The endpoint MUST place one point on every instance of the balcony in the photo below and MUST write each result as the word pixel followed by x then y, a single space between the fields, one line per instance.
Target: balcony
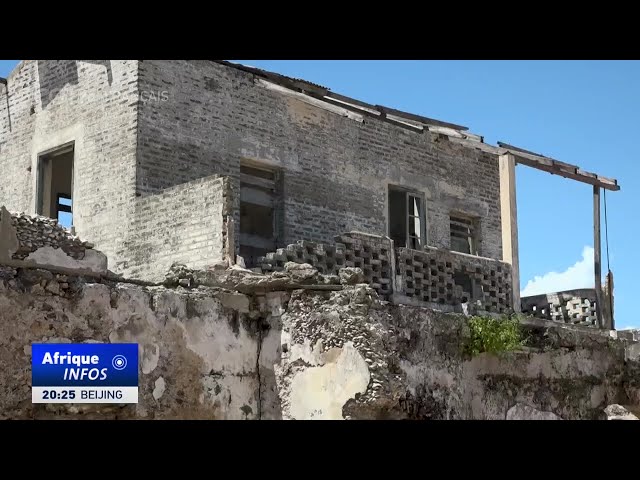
pixel 435 278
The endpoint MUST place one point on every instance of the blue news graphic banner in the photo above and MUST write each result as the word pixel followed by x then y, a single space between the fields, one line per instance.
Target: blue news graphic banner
pixel 84 372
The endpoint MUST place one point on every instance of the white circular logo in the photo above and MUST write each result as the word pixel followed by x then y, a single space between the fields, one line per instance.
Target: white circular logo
pixel 119 362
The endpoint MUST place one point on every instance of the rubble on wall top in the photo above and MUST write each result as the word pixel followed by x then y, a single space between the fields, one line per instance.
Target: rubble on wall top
pixel 21 219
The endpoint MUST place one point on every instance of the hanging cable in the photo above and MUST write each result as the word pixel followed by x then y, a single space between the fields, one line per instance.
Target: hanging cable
pixel 606 228
pixel 609 274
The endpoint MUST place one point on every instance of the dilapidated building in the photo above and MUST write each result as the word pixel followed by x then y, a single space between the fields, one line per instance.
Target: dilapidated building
pixel 203 162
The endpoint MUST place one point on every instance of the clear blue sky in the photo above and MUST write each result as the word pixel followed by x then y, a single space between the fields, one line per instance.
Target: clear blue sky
pixel 581 112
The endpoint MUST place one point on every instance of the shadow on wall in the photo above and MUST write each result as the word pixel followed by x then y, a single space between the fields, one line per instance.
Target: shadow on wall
pixel 55 74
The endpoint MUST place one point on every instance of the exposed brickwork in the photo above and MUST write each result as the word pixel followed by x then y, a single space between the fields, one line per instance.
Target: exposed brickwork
pixel 182 224
pixel 141 127
pixel 93 103
pixel 572 306
pixel 336 170
pixel 16 130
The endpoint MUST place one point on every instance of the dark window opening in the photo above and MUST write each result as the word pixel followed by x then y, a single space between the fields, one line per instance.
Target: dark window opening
pixel 260 212
pixel 55 185
pixel 463 234
pixel 407 218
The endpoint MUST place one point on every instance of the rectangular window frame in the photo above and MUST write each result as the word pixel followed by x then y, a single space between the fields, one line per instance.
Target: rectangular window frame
pixel 422 217
pixel 462 221
pixel 43 158
pixel 265 183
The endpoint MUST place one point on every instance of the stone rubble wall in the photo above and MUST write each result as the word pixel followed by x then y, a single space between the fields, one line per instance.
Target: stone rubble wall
pixel 230 343
pixel 199 349
pixel 577 307
pixel 32 241
pixel 406 362
pixel 34 232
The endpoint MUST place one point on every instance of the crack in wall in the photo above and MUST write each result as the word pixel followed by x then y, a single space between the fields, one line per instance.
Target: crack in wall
pixel 259 400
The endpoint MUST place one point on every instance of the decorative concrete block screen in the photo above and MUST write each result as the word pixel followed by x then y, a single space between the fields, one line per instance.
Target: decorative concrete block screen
pixel 571 306
pixel 433 276
pixel 444 277
pixel 373 254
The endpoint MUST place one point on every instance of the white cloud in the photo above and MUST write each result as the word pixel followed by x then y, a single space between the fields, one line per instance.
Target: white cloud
pixel 580 275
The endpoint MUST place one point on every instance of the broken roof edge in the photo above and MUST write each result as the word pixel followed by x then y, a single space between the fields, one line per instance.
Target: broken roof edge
pixel 324 93
pixel 456 133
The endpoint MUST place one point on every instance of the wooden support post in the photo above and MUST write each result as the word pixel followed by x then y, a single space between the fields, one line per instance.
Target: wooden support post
pixel 597 257
pixel 509 221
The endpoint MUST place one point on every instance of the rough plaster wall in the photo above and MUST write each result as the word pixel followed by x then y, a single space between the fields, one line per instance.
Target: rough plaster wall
pixel 208 352
pixel 181 224
pixel 572 375
pixel 336 169
pixel 91 102
pixel 418 368
pixel 320 392
pixel 198 355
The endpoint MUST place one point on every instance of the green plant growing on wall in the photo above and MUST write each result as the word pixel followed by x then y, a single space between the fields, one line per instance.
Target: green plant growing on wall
pixel 494 335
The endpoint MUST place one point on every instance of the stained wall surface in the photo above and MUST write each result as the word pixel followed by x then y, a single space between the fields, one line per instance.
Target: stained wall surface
pixel 95 105
pixel 336 168
pixel 92 104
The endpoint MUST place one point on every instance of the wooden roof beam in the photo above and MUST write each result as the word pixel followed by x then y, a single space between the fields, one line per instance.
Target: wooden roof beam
pixel 556 167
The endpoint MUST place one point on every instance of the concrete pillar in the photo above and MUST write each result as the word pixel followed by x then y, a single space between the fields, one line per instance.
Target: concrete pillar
pixel 509 221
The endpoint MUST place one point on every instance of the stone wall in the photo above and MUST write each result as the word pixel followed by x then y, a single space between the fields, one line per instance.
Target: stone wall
pixel 577 307
pixel 142 127
pixel 347 356
pixel 336 166
pixel 199 350
pixel 93 103
pixel 182 224
pixel 39 241
pixel 236 344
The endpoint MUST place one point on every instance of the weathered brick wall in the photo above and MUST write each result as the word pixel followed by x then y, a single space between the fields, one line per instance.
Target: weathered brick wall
pixel 181 224
pixel 91 102
pixel 572 306
pixel 141 127
pixel 336 168
pixel 16 130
